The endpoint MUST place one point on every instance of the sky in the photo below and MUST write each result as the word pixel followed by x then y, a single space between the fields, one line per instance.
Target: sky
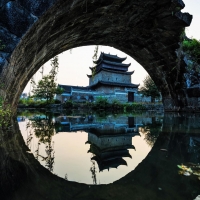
pixel 74 65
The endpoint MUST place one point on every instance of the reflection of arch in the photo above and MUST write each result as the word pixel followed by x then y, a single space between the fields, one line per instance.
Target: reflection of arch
pixel 146 35
pixel 21 167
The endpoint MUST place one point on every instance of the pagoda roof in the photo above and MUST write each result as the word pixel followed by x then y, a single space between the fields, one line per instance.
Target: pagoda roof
pixel 114 163
pixel 110 155
pixel 117 132
pixel 111 71
pixel 96 150
pixel 109 57
pixel 128 85
pixel 111 65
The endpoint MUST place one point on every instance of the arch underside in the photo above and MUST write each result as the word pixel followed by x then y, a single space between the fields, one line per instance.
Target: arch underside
pixel 147 31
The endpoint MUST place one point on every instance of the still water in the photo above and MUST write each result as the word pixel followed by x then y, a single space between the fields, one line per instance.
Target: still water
pixel 88 148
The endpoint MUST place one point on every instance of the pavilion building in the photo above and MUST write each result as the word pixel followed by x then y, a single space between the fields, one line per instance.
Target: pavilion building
pixel 109 78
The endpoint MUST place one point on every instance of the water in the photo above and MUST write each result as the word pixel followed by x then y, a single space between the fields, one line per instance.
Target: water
pixel 89 148
pixel 144 156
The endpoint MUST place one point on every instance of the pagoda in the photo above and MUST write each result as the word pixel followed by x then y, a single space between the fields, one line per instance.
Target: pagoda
pixel 110 75
pixel 109 78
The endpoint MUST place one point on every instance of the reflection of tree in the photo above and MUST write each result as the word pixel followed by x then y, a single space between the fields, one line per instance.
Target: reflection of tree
pixel 49 159
pixel 37 151
pixel 29 139
pixel 93 171
pixel 151 132
pixel 43 127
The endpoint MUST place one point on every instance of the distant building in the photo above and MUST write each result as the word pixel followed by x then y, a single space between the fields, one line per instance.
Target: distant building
pixel 109 78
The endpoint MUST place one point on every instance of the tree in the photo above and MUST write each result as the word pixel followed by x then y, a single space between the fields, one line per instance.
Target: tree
pixel 149 89
pixel 94 57
pixel 192 47
pixel 44 129
pixel 47 87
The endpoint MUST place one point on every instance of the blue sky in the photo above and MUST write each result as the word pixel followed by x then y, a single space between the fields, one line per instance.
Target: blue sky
pixel 74 65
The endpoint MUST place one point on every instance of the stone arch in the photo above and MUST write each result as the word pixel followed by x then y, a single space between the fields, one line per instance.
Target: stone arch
pixel 147 31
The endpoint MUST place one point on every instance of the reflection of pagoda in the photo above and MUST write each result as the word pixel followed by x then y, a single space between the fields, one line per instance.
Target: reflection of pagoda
pixel 110 148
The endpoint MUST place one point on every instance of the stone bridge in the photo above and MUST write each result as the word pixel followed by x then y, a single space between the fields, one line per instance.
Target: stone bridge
pixel 33 31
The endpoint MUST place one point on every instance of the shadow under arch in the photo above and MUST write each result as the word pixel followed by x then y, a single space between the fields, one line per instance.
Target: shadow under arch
pixel 149 32
pixel 156 177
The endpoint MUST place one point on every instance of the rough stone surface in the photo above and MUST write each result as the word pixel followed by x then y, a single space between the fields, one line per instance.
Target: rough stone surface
pixel 110 77
pixel 36 7
pixel 15 18
pixel 148 31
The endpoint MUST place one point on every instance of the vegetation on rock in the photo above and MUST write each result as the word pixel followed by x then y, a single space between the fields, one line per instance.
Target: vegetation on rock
pixel 192 47
pixel 5 113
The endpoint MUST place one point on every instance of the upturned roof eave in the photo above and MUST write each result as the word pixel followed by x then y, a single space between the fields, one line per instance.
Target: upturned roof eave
pixel 115 84
pixel 104 55
pixel 112 71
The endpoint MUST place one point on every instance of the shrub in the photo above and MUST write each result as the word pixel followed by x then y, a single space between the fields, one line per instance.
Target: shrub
pixel 116 104
pixel 68 104
pixel 101 102
pixel 133 107
pixel 192 47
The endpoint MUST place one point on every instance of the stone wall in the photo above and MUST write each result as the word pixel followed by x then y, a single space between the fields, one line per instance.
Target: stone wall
pixel 111 93
pixel 110 77
pixel 109 142
pixel 108 89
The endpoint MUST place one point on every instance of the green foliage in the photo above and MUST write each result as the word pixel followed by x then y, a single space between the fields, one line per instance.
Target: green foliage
pixel 35 103
pixel 116 104
pixel 5 108
pixel 68 104
pixel 44 129
pixel 5 113
pixel 129 107
pixel 149 89
pixel 192 47
pixel 101 102
pixel 47 87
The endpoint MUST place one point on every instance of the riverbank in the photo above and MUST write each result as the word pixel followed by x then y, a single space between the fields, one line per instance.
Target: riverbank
pixel 95 106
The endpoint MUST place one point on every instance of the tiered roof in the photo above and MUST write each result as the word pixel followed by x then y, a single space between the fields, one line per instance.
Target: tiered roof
pixel 127 85
pixel 110 63
pixel 109 154
pixel 109 57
